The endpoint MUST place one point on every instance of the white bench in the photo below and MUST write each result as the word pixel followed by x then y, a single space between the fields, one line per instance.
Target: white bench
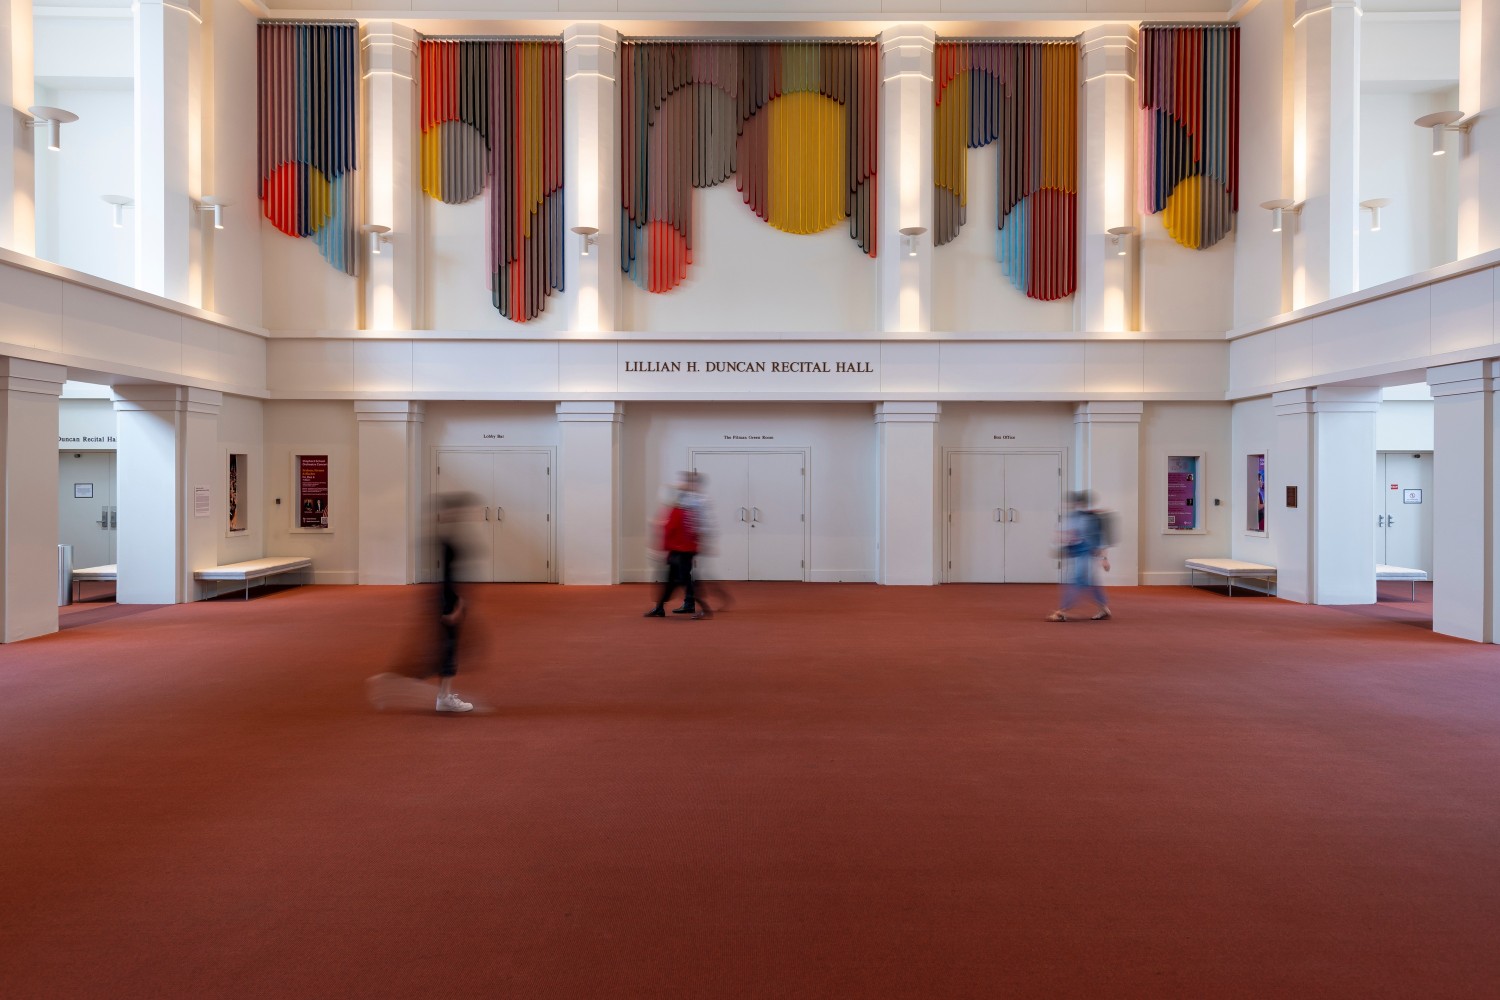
pixel 1232 570
pixel 254 569
pixel 1413 576
pixel 92 573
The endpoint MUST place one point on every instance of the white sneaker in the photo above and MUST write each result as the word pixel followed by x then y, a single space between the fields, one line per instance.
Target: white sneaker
pixel 453 703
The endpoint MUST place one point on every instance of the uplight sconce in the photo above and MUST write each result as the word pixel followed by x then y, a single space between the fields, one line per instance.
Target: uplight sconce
pixel 910 239
pixel 1442 122
pixel 54 119
pixel 1117 239
pixel 589 238
pixel 1278 208
pixel 1375 205
pixel 119 203
pixel 215 207
pixel 379 236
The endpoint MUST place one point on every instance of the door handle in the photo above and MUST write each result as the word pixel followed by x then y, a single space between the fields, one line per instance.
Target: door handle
pixel 754 513
pixel 997 514
pixel 744 514
pixel 486 513
pixel 103 521
pixel 114 518
pixel 499 513
pixel 1012 514
pixel 1379 520
pixel 1390 519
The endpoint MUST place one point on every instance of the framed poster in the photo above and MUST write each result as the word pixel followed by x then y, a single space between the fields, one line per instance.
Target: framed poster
pixel 1255 494
pixel 238 492
pixel 1184 474
pixel 83 491
pixel 311 509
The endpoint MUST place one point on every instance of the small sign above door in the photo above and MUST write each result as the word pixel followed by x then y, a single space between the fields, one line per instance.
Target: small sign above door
pixel 1411 496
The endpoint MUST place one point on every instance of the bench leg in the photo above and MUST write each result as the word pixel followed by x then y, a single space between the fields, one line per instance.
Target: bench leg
pixel 1230 580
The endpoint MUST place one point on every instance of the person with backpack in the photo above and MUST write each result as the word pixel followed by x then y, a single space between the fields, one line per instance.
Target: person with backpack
pixel 1086 536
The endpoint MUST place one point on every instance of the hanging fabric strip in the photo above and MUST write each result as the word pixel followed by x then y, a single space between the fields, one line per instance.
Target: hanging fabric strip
pixel 1189 134
pixel 794 122
pixel 1023 97
pixel 491 117
pixel 307 78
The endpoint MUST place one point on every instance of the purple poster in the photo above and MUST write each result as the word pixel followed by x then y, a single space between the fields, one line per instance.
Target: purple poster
pixel 312 491
pixel 1182 492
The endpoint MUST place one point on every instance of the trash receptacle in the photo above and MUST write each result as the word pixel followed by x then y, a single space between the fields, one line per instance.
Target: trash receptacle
pixel 64 575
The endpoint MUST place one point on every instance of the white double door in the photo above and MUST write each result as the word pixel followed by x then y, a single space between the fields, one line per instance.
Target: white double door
pixel 1403 509
pixel 86 516
pixel 507 538
pixel 1004 512
pixel 760 514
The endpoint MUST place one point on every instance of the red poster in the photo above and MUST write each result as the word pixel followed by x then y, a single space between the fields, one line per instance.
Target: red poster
pixel 312 491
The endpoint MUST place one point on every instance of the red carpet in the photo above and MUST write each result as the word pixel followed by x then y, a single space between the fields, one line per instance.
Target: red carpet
pixel 829 791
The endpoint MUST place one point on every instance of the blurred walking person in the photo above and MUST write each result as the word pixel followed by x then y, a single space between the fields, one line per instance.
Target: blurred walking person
pixel 1085 537
pixel 686 527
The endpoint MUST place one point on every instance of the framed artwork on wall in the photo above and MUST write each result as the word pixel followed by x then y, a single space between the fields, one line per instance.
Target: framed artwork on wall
pixel 310 509
pixel 1184 493
pixel 238 493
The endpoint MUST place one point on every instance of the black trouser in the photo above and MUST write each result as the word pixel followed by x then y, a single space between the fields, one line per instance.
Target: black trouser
pixel 679 573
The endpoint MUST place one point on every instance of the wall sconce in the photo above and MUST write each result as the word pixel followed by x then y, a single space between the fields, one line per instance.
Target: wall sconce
pixel 379 235
pixel 590 237
pixel 215 207
pixel 54 119
pixel 909 239
pixel 1441 122
pixel 1279 207
pixel 120 203
pixel 1375 205
pixel 1117 239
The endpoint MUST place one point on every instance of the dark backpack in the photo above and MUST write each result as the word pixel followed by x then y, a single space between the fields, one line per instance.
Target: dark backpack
pixel 1104 528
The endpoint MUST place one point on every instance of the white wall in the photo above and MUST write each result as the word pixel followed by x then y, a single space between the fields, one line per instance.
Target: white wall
pixel 747 276
pixel 1185 429
pixel 1261 256
pixel 1404 425
pixel 1183 289
pixel 302 291
pixel 233 254
pixel 74 227
pixel 313 428
pixel 657 439
pixel 970 292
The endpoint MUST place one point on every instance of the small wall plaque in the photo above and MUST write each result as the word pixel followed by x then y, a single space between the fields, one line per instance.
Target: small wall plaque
pixel 1411 496
pixel 83 491
pixel 1291 496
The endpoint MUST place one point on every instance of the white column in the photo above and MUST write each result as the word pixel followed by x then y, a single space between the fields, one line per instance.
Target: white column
pixel 1479 93
pixel 393 179
pixel 589 491
pixel 1106 280
pixel 168 451
pixel 168 149
pixel 907 478
pixel 28 497
pixel 17 147
pixel 390 490
pixel 1325 112
pixel 591 177
pixel 1463 495
pixel 1107 450
pixel 1325 550
pixel 906 177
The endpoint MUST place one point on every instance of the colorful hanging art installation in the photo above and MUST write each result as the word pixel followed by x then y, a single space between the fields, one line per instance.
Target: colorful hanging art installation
pixel 492 116
pixel 794 122
pixel 1190 129
pixel 1022 96
pixel 308 79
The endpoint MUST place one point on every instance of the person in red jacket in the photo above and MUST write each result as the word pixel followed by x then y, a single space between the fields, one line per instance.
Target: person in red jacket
pixel 682 531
